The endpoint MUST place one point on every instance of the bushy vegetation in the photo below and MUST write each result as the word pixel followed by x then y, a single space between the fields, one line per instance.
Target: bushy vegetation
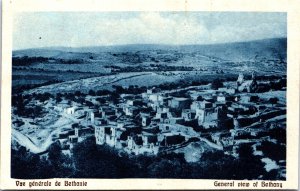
pixel 216 83
pixel 20 103
pixel 152 68
pixel 25 61
pixel 22 88
pixel 273 151
pixel 140 57
pixel 93 161
pixel 55 164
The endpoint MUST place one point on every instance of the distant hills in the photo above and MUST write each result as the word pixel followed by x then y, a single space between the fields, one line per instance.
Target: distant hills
pixel 275 48
pixel 44 66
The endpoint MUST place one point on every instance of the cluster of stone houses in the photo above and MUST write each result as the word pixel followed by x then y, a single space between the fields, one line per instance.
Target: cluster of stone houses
pixel 155 121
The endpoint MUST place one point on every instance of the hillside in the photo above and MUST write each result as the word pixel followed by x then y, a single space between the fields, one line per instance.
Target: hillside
pixel 62 64
pixel 271 48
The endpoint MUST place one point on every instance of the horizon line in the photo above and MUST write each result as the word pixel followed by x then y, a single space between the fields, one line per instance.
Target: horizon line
pixel 139 44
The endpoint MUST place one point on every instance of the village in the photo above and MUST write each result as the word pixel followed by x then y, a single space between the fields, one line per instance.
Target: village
pixel 159 121
pixel 238 118
pixel 145 94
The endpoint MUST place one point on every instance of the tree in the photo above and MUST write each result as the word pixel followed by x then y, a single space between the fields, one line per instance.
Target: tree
pixel 24 164
pixel 74 125
pixel 37 111
pixel 200 98
pixel 273 151
pixel 216 83
pixel 43 97
pixel 18 101
pixel 273 100
pixel 80 100
pixel 55 154
pixel 114 97
pixel 94 162
pixel 89 104
pixel 92 93
pixel 165 169
pixel 58 98
pixel 78 93
pixel 70 96
pixel 101 100
pixel 279 134
pixel 248 166
pixel 118 89
pixel 103 92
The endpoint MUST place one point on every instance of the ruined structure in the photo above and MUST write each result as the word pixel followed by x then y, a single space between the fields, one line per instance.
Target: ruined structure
pixel 249 86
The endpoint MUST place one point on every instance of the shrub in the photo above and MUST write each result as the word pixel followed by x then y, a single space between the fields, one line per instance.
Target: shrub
pixel 216 83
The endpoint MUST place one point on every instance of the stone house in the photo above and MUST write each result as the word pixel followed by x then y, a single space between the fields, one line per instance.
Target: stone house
pixel 69 110
pixel 142 144
pixel 131 110
pixel 134 102
pixel 188 114
pixel 153 97
pixel 107 112
pixel 177 129
pixel 246 85
pixel 201 105
pixel 170 139
pixel 207 117
pixel 83 132
pixel 211 117
pixel 179 103
pixel 222 139
pixel 173 120
pixel 160 115
pixel 73 139
pixel 248 98
pixel 146 120
pixel 225 98
pixel 109 135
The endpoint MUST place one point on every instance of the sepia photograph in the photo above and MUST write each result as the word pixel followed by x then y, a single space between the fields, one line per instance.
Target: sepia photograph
pixel 149 95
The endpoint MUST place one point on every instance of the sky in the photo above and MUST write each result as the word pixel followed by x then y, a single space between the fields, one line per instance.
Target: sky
pixel 78 29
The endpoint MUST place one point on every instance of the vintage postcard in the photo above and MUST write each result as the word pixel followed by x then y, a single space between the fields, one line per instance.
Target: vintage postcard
pixel 150 95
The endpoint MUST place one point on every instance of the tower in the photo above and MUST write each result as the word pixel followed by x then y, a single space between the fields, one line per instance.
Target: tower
pixel 253 76
pixel 240 80
pixel 254 85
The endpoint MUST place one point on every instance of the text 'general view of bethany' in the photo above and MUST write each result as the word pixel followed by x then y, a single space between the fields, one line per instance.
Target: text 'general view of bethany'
pixel 207 111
